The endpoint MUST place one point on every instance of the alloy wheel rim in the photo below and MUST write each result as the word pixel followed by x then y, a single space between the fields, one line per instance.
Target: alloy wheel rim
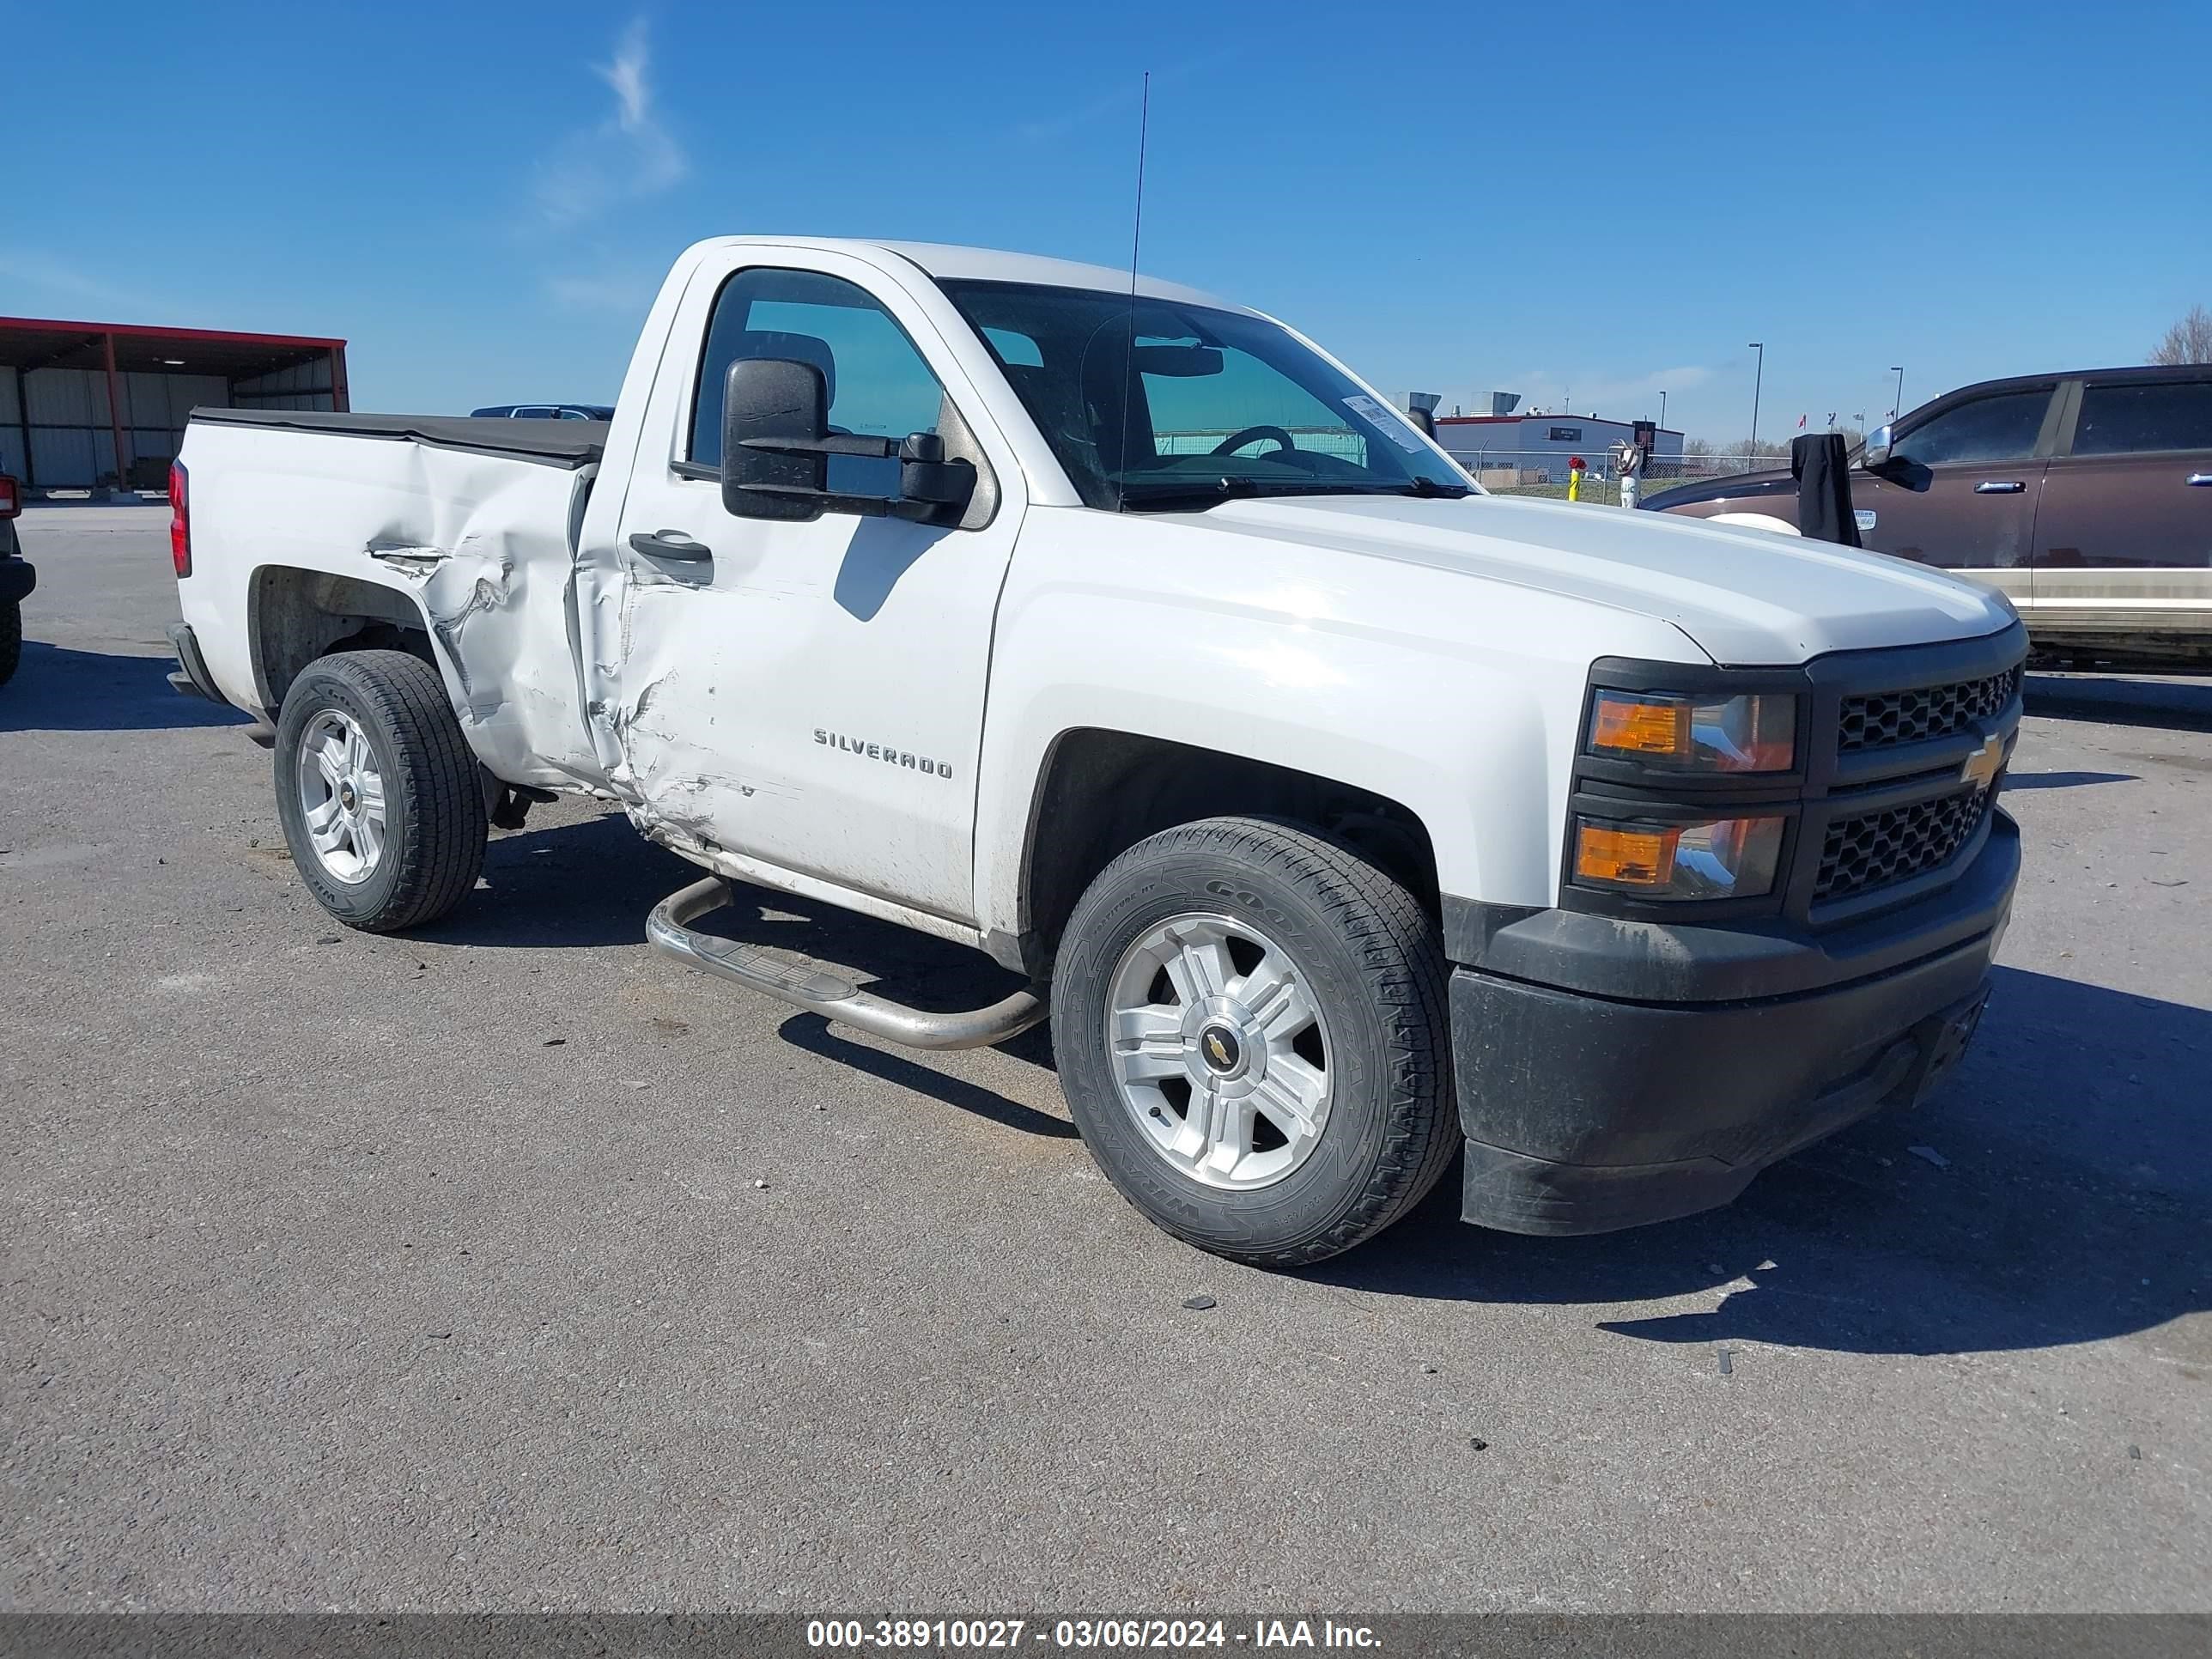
pixel 342 797
pixel 1220 1050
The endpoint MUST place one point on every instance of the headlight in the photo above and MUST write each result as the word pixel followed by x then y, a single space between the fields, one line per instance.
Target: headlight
pixel 1747 733
pixel 1716 859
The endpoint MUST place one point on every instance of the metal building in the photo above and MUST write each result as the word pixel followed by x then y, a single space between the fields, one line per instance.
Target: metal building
pixel 103 405
pixel 1538 448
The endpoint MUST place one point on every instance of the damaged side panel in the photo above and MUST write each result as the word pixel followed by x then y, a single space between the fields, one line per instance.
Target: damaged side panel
pixel 477 547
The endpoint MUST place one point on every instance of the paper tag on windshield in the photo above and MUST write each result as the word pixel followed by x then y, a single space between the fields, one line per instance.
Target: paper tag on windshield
pixel 1393 428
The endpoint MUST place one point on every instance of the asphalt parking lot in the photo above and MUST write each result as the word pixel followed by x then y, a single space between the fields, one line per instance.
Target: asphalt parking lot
pixel 437 1272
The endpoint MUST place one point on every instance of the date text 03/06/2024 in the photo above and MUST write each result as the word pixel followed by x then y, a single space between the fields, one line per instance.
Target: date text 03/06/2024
pixel 1107 1634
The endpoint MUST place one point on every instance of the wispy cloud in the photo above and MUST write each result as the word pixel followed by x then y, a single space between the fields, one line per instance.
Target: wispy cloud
pixel 1122 99
pixel 614 290
pixel 1113 102
pixel 48 275
pixel 630 155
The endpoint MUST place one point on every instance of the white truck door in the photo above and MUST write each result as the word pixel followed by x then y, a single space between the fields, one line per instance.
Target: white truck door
pixel 810 695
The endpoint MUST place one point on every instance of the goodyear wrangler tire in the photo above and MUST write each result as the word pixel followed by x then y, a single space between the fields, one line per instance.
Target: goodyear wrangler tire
pixel 1251 1026
pixel 380 799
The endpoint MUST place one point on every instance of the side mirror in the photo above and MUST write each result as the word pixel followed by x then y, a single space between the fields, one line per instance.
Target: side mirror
pixel 1875 455
pixel 776 445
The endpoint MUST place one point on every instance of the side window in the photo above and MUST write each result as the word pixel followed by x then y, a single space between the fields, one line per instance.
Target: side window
pixel 2003 427
pixel 876 382
pixel 2125 420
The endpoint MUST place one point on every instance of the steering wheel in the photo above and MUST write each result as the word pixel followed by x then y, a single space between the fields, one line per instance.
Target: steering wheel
pixel 1236 441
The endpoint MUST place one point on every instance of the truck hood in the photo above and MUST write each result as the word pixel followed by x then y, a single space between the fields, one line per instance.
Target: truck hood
pixel 1746 597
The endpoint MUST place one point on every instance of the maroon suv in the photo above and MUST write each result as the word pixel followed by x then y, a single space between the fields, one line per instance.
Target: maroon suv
pixel 2087 498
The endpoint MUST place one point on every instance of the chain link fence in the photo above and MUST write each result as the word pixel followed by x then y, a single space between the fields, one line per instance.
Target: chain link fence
pixel 1544 472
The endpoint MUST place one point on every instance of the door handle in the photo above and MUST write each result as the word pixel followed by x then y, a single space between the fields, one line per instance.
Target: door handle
pixel 1999 487
pixel 2201 480
pixel 670 545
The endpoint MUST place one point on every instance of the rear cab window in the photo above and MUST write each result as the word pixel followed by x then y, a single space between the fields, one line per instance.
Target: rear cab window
pixel 2144 418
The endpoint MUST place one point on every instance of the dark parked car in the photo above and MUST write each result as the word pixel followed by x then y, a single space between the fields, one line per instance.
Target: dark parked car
pixel 17 579
pixel 2086 498
pixel 545 412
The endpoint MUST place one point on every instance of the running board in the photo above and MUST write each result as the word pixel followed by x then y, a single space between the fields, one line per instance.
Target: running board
pixel 668 931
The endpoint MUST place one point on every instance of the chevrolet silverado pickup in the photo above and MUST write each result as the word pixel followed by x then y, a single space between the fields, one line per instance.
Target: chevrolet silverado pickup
pixel 1342 818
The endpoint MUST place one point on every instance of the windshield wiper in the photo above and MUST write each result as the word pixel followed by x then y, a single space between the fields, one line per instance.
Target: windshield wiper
pixel 1210 492
pixel 1199 492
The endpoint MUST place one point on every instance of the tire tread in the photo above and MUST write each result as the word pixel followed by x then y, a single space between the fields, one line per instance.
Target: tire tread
pixel 1403 967
pixel 441 847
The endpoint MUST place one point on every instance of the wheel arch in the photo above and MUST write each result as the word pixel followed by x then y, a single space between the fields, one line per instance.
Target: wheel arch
pixel 1120 787
pixel 295 614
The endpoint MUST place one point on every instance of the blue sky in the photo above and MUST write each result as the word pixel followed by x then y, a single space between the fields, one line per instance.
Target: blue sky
pixel 482 197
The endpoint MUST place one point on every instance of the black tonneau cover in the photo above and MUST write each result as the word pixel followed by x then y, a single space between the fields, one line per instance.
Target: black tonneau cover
pixel 568 444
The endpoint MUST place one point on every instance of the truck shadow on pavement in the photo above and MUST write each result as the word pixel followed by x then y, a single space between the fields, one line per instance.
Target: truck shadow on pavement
pixel 2064 779
pixel 60 689
pixel 567 885
pixel 591 883
pixel 2068 1198
pixel 2065 1201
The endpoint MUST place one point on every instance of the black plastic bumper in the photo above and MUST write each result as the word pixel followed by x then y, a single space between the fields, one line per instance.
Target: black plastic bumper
pixel 17 579
pixel 1584 1113
pixel 191 676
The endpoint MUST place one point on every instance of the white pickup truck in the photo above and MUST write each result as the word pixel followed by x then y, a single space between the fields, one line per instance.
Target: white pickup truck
pixel 1338 813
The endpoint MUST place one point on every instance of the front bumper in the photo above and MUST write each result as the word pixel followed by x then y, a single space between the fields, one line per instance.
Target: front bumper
pixel 17 579
pixel 1586 1113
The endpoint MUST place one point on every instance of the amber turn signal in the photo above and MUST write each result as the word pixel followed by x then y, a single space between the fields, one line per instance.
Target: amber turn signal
pixel 1751 732
pixel 1629 725
pixel 1621 856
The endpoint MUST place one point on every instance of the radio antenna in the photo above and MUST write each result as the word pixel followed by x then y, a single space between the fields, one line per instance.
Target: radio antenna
pixel 1129 355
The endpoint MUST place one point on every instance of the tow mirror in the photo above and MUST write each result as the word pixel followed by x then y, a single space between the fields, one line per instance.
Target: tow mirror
pixel 776 445
pixel 1875 455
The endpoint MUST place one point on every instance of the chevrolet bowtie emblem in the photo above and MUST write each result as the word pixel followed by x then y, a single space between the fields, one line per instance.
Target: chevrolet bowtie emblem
pixel 1981 767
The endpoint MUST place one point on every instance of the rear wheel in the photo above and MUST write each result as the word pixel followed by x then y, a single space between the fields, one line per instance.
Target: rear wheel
pixel 380 799
pixel 1250 1024
pixel 11 638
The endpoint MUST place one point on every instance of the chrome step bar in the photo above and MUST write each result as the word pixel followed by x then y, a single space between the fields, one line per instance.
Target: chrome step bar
pixel 668 931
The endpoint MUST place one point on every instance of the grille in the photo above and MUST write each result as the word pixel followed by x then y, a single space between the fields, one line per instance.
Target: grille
pixel 1888 718
pixel 1882 847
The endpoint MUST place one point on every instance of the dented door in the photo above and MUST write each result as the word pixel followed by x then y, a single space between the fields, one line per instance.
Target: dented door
pixel 807 695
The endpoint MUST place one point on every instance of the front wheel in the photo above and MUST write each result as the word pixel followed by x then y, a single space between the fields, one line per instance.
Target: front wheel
pixel 1251 1027
pixel 380 799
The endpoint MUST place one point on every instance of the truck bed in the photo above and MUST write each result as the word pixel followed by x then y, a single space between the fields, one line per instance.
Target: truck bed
pixel 568 444
pixel 309 527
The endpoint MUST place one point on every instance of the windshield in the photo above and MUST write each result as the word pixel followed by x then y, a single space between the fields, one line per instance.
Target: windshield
pixel 1201 406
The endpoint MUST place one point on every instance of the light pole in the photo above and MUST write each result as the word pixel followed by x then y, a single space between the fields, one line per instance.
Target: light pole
pixel 1663 411
pixel 1758 378
pixel 1897 404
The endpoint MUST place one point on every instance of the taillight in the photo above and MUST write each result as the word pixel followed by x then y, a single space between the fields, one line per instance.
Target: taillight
pixel 11 498
pixel 181 522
